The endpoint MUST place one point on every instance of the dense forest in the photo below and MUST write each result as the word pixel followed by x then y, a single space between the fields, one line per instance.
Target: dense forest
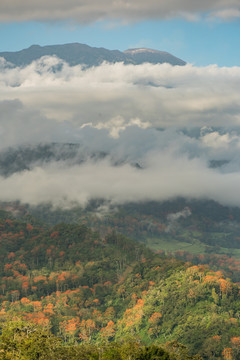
pixel 105 294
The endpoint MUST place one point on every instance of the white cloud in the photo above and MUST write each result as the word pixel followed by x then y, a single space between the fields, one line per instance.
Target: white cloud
pixel 112 95
pixel 220 141
pixel 227 14
pixel 165 177
pixel 84 11
pixel 118 124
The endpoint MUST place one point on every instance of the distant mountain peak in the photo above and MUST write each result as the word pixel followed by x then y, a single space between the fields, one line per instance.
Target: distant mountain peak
pixel 75 54
pixel 143 55
pixel 143 50
pixel 34 46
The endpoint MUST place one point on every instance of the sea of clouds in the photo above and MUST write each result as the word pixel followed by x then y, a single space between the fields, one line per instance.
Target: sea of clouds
pixel 174 122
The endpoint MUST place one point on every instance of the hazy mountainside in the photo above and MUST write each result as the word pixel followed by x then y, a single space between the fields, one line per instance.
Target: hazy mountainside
pixel 88 288
pixel 17 159
pixel 22 158
pixel 184 226
pixel 76 53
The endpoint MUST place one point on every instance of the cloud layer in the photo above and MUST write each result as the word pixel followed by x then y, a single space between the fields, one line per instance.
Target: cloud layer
pixel 85 11
pixel 165 176
pixel 167 131
pixel 40 104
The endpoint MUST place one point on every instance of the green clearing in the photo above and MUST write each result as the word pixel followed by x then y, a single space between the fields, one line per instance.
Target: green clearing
pixel 193 247
pixel 231 252
pixel 156 244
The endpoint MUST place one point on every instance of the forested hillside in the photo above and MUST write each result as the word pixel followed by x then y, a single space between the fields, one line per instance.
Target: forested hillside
pixel 88 288
pixel 196 226
pixel 202 232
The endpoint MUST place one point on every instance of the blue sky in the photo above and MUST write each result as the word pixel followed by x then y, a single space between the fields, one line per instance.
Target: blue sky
pixel 200 38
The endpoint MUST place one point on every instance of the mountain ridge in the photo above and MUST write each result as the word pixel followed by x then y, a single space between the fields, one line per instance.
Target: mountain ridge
pixel 76 53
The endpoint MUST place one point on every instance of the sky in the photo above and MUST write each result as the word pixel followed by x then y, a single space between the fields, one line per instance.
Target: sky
pixel 201 33
pixel 175 122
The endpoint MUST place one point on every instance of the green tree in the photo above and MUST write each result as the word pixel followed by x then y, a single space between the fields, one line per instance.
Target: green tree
pixel 153 352
pixel 23 341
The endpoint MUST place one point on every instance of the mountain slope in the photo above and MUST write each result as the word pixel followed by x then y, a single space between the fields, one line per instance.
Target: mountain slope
pixel 76 53
pixel 86 288
pixel 143 55
pixel 13 160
